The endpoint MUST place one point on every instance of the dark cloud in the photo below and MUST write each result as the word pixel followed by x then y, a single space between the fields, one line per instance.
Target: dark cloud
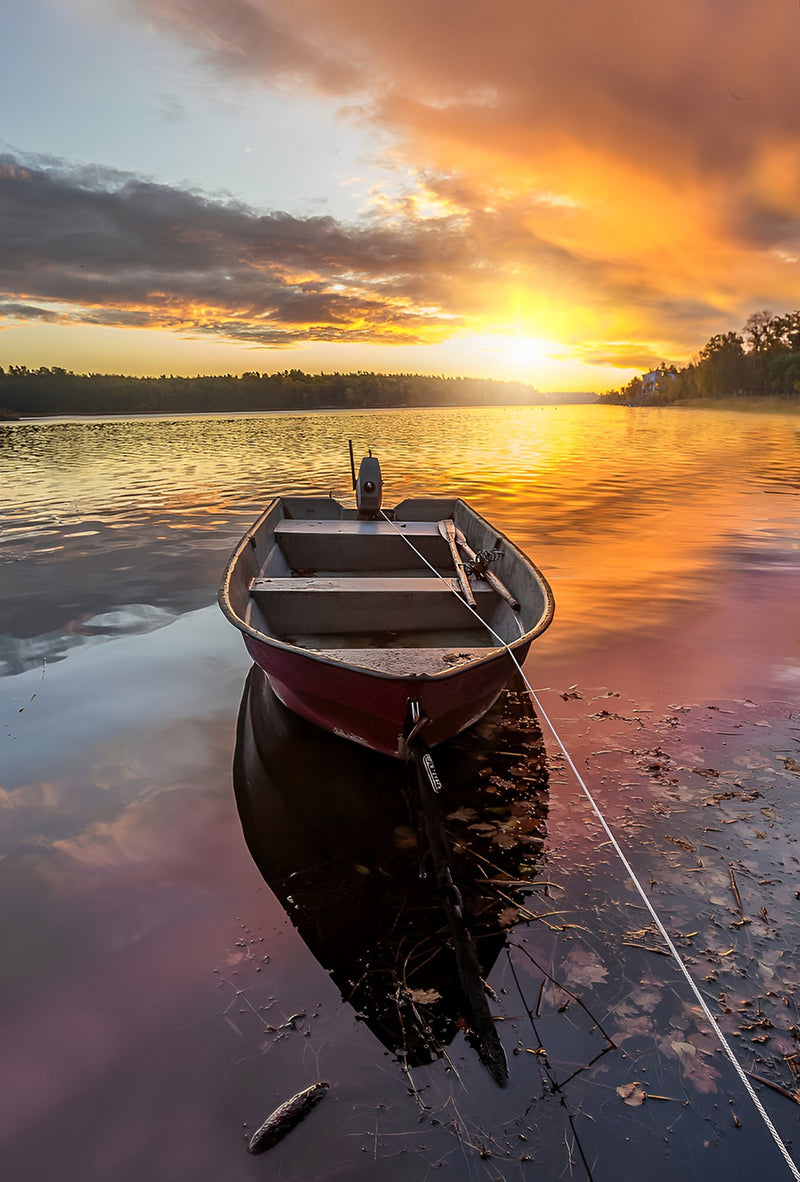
pixel 114 249
pixel 109 248
pixel 12 311
pixel 270 42
pixel 761 223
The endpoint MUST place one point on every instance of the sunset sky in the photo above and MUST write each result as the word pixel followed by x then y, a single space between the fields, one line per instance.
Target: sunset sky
pixel 561 194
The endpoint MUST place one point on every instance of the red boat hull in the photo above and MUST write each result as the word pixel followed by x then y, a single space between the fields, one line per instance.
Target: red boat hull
pixel 351 631
pixel 374 710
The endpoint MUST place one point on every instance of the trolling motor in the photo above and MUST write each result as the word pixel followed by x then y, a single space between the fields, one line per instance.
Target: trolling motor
pixel 368 484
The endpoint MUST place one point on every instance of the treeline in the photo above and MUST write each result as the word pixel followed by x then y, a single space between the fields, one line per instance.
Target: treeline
pixel 55 391
pixel 763 360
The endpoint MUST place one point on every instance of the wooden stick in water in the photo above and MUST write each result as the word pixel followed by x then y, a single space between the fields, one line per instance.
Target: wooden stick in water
pixel 283 1119
pixel 491 579
pixel 448 531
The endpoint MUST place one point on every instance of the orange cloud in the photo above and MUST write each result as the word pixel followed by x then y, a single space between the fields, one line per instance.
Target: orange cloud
pixel 632 165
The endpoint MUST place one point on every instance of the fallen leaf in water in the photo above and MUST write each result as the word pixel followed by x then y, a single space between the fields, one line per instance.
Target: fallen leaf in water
pixel 641 1027
pixel 583 967
pixel 684 845
pixel 424 997
pixel 632 1094
pixel 647 996
pixel 462 814
pixel 703 1041
pixel 695 1069
pixel 506 840
pixel 732 794
pixel 684 1050
pixel 792 765
pixel 708 772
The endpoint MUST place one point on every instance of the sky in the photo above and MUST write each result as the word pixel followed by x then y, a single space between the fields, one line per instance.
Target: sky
pixel 565 195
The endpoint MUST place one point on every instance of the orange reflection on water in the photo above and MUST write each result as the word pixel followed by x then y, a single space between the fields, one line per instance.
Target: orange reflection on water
pixel 631 514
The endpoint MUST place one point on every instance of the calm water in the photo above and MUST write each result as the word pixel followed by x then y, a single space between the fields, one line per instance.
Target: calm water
pixel 149 966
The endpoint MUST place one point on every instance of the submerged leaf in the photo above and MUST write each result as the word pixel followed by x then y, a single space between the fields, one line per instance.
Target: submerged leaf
pixel 695 1068
pixel 462 814
pixel 684 1050
pixel 583 967
pixel 424 996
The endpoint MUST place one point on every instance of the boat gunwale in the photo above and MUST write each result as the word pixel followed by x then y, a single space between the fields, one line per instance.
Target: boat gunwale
pixel 544 621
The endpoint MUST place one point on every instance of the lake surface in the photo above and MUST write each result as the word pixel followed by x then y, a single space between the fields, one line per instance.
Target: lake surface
pixel 164 988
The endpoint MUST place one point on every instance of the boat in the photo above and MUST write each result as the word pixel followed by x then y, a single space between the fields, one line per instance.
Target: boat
pixel 384 625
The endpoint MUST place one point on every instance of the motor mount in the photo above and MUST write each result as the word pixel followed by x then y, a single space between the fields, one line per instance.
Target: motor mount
pixel 369 487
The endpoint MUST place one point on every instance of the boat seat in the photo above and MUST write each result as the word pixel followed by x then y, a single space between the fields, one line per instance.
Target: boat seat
pixel 346 526
pixel 357 604
pixel 352 544
pixel 404 662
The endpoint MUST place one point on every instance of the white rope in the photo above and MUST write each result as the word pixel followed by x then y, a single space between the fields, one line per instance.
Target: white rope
pixel 632 874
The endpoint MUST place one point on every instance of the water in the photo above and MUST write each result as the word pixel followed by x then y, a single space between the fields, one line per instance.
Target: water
pixel 149 972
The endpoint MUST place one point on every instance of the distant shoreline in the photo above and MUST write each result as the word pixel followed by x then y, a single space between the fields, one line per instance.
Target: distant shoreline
pixel 749 405
pixel 59 392
pixel 127 416
pixel 769 404
pixel 752 404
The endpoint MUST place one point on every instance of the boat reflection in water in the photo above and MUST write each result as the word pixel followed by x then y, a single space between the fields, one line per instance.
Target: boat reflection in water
pixel 403 895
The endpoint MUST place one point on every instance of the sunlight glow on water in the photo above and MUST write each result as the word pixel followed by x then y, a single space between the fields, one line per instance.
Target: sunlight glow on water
pixel 631 514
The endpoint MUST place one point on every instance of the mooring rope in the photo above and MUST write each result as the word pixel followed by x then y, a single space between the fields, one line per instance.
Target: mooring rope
pixel 726 1047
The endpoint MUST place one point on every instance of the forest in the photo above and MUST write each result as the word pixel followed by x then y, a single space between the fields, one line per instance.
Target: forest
pixel 56 391
pixel 761 361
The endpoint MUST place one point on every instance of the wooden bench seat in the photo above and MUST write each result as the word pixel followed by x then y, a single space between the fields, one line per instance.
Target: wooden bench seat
pixel 352 544
pixel 366 604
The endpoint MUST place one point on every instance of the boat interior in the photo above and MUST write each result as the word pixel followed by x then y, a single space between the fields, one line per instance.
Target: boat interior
pixel 316 575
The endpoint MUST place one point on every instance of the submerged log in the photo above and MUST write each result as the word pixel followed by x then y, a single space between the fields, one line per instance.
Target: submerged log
pixel 283 1119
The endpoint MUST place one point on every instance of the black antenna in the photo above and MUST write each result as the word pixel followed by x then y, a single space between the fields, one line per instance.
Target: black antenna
pixel 352 463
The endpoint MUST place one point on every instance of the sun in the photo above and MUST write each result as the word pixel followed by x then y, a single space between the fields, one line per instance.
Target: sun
pixel 526 351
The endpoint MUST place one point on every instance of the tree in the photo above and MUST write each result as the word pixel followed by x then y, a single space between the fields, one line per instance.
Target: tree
pixel 722 368
pixel 761 331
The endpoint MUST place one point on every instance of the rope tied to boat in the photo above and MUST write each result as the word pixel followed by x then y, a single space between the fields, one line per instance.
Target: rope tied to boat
pixel 483 558
pixel 660 927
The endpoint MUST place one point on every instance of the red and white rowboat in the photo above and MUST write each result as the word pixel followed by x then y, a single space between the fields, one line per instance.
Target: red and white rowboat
pixel 383 624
